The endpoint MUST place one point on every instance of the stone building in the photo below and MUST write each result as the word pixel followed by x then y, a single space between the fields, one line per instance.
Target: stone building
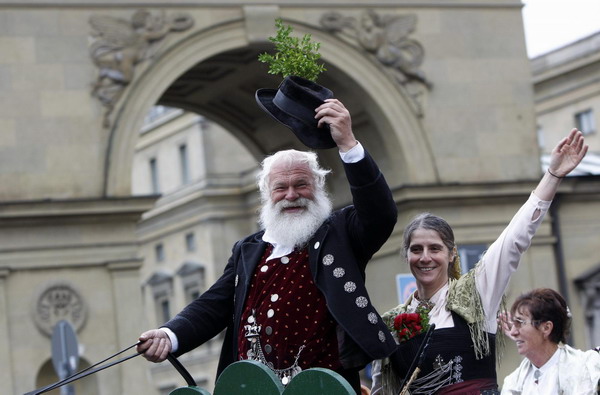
pixel 113 220
pixel 567 93
pixel 205 177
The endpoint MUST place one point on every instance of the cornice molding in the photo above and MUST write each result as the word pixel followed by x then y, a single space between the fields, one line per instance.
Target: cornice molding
pixel 283 3
pixel 53 208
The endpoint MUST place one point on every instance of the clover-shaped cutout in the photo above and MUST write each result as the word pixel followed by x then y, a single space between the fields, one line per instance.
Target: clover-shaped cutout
pixel 254 378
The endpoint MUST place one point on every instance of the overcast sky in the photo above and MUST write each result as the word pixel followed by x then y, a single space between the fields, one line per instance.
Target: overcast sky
pixel 550 24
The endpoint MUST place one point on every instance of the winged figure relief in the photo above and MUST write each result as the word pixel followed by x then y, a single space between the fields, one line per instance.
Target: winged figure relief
pixel 118 45
pixel 386 37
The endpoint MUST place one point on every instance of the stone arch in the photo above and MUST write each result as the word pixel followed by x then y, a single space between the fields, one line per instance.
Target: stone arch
pixel 406 155
pixel 398 125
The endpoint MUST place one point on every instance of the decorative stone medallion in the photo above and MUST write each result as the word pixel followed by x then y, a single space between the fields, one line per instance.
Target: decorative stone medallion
pixel 59 301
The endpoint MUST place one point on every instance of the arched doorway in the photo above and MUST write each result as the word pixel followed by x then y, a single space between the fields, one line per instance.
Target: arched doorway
pixel 215 74
pixel 86 386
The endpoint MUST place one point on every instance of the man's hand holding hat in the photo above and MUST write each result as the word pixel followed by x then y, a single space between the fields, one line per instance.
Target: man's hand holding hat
pixel 333 113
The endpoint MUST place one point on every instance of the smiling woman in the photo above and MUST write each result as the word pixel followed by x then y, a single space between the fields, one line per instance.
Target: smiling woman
pixel 539 323
pixel 432 257
pixel 460 355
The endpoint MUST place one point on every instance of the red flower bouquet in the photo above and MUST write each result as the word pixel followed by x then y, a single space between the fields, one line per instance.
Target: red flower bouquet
pixel 409 325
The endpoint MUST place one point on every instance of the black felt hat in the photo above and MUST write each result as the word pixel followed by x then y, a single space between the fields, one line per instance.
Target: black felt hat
pixel 294 104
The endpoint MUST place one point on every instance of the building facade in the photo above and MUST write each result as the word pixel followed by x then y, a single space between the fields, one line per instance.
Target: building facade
pixel 567 94
pixel 205 178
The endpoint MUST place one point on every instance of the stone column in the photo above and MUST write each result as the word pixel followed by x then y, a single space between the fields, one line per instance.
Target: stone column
pixel 6 373
pixel 129 323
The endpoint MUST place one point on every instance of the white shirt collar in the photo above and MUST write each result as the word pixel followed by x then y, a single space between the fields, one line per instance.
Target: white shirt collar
pixel 549 363
pixel 278 249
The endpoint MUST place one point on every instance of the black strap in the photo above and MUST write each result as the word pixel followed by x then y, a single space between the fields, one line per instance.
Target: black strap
pixel 418 360
pixel 86 372
pixel 186 375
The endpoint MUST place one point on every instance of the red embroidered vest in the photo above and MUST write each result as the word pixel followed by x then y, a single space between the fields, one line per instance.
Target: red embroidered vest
pixel 292 313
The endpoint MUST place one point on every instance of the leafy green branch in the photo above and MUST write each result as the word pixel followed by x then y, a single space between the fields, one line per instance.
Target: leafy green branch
pixel 293 56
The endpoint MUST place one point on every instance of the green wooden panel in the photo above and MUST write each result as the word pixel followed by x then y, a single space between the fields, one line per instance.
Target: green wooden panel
pixel 248 378
pixel 254 378
pixel 189 391
pixel 319 381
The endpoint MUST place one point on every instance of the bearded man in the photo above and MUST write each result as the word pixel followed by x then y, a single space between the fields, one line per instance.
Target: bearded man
pixel 293 296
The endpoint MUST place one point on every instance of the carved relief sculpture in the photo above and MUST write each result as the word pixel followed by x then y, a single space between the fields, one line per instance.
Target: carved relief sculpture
pixel 118 45
pixel 387 39
pixel 59 301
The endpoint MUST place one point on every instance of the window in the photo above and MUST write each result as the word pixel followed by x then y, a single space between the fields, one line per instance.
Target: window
pixel 190 242
pixel 165 310
pixel 154 176
pixel 191 292
pixel 159 252
pixel 161 285
pixel 540 137
pixel 585 122
pixel 183 164
pixel 588 285
pixel 469 255
pixel 193 279
pixel 157 112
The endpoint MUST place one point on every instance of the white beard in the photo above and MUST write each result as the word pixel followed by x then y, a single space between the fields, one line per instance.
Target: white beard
pixel 295 230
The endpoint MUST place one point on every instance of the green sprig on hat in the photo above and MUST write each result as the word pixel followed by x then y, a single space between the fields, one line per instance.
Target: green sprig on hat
pixel 293 56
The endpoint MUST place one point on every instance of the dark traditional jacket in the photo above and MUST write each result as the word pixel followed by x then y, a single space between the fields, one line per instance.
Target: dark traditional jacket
pixel 338 254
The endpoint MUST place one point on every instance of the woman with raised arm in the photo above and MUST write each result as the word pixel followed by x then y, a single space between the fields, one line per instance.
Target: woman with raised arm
pixel 460 355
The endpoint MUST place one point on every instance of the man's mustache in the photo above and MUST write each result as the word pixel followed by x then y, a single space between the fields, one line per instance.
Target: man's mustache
pixel 300 202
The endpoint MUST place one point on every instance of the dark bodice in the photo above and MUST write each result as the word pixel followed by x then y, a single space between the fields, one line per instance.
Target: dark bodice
pixel 449 358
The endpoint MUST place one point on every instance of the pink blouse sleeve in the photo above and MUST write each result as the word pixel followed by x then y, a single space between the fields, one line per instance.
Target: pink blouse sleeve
pixel 502 258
